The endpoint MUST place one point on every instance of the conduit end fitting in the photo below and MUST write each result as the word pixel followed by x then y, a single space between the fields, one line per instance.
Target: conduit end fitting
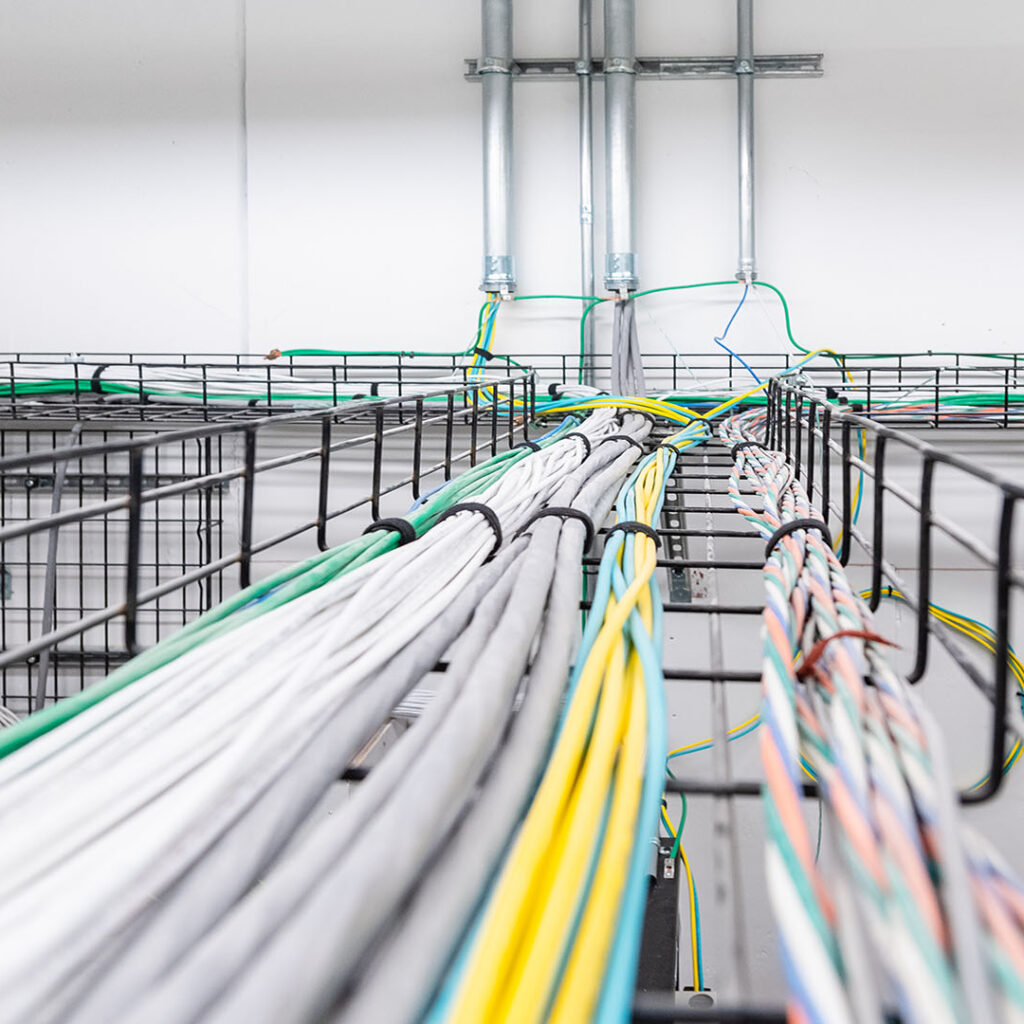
pixel 620 272
pixel 499 275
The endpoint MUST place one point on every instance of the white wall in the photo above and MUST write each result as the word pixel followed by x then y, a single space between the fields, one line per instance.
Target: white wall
pixel 888 191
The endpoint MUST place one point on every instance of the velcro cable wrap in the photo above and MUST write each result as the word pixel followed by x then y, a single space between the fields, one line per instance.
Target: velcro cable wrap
pixel 482 352
pixel 94 381
pixel 669 447
pixel 563 512
pixel 623 437
pixel 792 527
pixel 583 438
pixel 405 530
pixel 632 526
pixel 740 445
pixel 532 445
pixel 484 510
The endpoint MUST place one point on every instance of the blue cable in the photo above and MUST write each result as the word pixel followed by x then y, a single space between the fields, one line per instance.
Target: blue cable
pixel 719 341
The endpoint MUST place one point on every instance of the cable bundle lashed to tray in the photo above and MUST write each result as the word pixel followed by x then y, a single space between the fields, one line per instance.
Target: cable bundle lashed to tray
pixel 165 879
pixel 921 911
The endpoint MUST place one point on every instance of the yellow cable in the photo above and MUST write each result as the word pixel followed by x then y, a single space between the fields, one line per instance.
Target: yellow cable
pixel 514 963
pixel 984 637
pixel 692 898
pixel 581 984
pixel 509 914
pixel 736 728
pixel 528 987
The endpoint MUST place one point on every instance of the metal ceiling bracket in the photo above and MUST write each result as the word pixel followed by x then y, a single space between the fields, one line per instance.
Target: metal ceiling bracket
pixel 793 65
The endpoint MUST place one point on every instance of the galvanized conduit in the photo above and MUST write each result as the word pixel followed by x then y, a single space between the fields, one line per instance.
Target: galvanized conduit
pixel 495 69
pixel 747 267
pixel 586 140
pixel 620 144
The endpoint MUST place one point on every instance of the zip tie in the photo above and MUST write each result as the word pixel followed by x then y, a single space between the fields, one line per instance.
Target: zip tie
pixel 563 512
pixel 405 530
pixel 623 437
pixel 583 438
pixel 632 526
pixel 532 445
pixel 809 664
pixel 486 511
pixel 796 524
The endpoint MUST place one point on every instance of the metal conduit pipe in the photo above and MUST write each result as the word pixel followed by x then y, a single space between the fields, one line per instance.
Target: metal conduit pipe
pixel 747 268
pixel 496 70
pixel 620 144
pixel 586 138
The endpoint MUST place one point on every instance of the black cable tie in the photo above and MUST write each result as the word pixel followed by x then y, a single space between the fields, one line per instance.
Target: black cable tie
pixel 739 446
pixel 486 511
pixel 563 512
pixel 671 447
pixel 623 437
pixel 405 530
pixel 483 352
pixel 94 383
pixel 632 526
pixel 796 524
pixel 532 445
pixel 582 437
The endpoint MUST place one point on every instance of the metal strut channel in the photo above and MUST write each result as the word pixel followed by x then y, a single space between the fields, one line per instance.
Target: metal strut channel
pixel 564 69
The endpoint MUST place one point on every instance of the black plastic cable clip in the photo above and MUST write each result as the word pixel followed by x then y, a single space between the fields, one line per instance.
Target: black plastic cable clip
pixel 486 511
pixel 791 527
pixel 740 445
pixel 532 445
pixel 483 352
pixel 405 530
pixel 633 526
pixel 583 438
pixel 563 512
pixel 623 437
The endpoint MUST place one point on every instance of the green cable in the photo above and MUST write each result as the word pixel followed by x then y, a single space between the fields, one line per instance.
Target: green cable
pixel 260 598
pixel 574 298
pixel 637 295
pixel 679 829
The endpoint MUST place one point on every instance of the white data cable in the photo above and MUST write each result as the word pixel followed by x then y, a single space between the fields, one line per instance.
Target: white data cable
pixel 118 805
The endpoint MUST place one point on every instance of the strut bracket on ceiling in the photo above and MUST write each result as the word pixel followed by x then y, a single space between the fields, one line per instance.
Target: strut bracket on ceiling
pixel 789 65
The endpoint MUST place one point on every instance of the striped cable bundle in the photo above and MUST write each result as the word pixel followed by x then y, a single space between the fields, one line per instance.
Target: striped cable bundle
pixel 920 908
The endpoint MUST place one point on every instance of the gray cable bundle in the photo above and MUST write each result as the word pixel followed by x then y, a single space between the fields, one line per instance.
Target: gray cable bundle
pixel 298 942
pixel 627 365
pixel 152 826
